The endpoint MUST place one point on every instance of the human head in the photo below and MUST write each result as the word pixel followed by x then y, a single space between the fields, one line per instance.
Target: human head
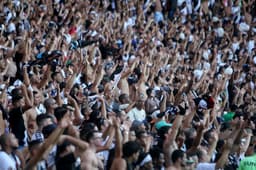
pixel 50 104
pixel 48 130
pixel 142 137
pixel 35 143
pixel 131 150
pixel 43 120
pixel 124 98
pixel 157 157
pixel 132 135
pixel 56 76
pixel 94 138
pixel 140 104
pixel 150 92
pixel 178 157
pixel 63 111
pixel 8 140
pixel 17 98
pixel 37 98
pixel 145 161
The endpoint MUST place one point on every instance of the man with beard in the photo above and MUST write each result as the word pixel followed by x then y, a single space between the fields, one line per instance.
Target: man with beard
pixel 178 160
pixel 8 155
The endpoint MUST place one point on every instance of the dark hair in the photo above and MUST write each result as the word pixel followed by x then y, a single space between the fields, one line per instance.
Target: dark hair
pixel 90 135
pixel 3 139
pixel 122 97
pixel 59 112
pixel 177 154
pixel 140 133
pixel 155 153
pixel 85 128
pixel 130 148
pixel 54 74
pixel 149 91
pixel 142 156
pixel 40 118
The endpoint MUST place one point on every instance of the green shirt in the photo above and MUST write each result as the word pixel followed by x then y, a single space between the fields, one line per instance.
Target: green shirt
pixel 248 163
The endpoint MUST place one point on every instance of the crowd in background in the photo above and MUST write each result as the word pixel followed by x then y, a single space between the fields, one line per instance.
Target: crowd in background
pixel 127 84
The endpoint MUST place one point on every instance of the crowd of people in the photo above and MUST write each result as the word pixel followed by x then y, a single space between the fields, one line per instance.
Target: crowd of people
pixel 127 85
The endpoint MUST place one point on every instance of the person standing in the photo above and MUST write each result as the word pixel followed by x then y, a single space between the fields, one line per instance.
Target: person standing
pixel 21 102
pixel 8 156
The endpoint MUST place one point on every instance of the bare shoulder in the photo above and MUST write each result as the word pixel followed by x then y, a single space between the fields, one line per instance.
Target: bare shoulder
pixel 170 168
pixel 31 113
pixel 118 164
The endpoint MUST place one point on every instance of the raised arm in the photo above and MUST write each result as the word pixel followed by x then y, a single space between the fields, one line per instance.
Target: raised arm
pixel 118 163
pixel 45 79
pixel 170 139
pixel 48 144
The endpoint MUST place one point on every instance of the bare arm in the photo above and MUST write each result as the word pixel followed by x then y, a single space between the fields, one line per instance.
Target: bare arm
pixel 45 79
pixel 169 141
pixel 227 148
pixel 119 147
pixel 47 145
pixel 75 141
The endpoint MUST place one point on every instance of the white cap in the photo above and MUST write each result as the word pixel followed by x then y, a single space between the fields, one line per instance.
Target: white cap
pixel 228 71
pixel 207 65
pixel 10 88
pixel 206 55
pixel 220 32
pixel 17 83
pixel 215 19
pixel 155 113
pixel 182 36
pixel 11 27
pixel 243 27
pixel 203 104
pixel 67 38
pixel 198 74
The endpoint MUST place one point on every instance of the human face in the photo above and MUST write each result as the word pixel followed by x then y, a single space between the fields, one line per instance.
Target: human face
pixel 97 139
pixel 148 166
pixel 132 136
pixel 70 115
pixel 53 104
pixel 183 161
pixel 37 99
pixel 136 156
pixel 59 78
pixel 21 102
pixel 140 104
pixel 143 139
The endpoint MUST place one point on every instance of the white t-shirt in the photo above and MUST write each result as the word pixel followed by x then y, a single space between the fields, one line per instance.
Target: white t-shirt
pixel 206 166
pixel 6 162
pixel 136 114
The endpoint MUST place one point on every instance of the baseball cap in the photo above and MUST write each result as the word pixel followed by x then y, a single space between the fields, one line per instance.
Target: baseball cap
pixel 228 116
pixel 47 130
pixel 161 124
pixel 202 104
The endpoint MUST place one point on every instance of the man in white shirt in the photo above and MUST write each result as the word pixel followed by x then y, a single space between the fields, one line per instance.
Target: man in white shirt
pixel 8 158
pixel 137 113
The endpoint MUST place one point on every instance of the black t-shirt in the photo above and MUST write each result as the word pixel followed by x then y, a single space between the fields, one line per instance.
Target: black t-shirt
pixel 66 162
pixel 17 125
